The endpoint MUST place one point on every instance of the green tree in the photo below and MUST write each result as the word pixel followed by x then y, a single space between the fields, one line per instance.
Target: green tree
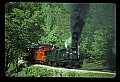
pixel 98 37
pixel 56 23
pixel 33 22
pixel 23 23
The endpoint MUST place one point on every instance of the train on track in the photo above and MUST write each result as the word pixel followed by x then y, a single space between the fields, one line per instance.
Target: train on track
pixel 67 57
pixel 48 54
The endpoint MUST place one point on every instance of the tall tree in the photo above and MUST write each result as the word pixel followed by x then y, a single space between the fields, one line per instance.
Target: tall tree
pixel 56 23
pixel 98 38
pixel 23 23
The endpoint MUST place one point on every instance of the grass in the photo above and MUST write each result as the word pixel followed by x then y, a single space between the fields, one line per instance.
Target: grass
pixel 93 66
pixel 34 71
pixel 90 75
pixel 96 66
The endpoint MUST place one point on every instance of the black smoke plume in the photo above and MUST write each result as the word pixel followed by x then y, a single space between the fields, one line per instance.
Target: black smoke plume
pixel 78 13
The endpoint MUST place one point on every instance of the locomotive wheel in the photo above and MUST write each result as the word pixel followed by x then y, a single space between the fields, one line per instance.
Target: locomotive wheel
pixel 65 64
pixel 46 63
pixel 68 66
pixel 49 63
pixel 76 67
pixel 55 64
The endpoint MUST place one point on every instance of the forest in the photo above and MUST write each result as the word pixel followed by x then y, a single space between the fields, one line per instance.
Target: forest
pixel 49 22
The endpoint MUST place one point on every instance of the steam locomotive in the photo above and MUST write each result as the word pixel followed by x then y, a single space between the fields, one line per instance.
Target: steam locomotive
pixel 49 54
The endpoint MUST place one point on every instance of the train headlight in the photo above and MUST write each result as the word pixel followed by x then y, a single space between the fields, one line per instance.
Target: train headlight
pixel 74 51
pixel 28 49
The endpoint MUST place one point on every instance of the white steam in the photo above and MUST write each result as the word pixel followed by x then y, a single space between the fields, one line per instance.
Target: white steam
pixel 68 42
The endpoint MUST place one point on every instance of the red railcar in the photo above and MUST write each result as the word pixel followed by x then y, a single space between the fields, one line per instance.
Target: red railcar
pixel 37 53
pixel 40 53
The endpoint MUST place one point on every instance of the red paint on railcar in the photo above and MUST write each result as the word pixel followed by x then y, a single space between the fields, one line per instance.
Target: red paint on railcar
pixel 40 54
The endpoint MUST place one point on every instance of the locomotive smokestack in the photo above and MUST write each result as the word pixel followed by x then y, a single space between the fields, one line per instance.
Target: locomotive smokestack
pixel 78 12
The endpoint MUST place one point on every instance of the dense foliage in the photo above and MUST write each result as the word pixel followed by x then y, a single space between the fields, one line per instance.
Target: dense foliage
pixel 34 22
pixel 98 39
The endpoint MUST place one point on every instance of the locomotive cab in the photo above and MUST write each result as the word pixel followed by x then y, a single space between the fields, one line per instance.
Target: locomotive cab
pixel 30 53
